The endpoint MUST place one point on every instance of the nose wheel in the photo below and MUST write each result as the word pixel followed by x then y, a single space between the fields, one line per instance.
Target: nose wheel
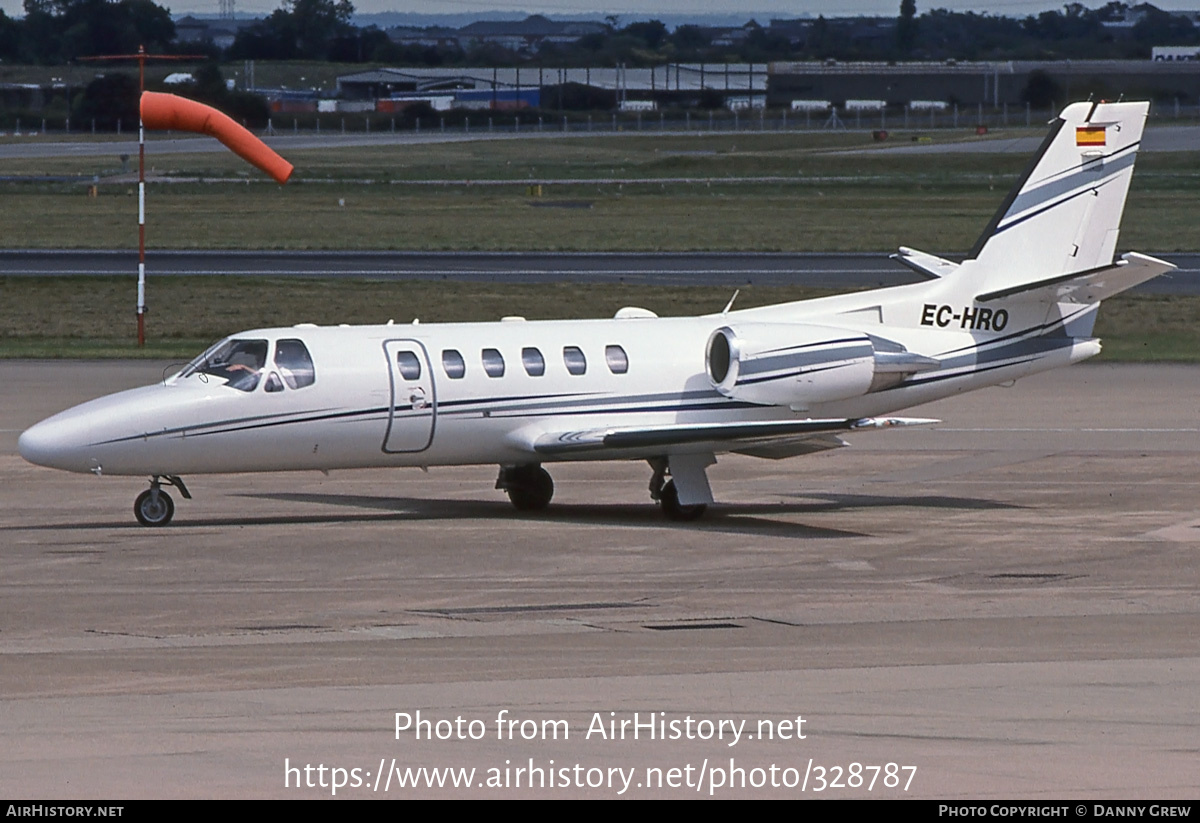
pixel 154 507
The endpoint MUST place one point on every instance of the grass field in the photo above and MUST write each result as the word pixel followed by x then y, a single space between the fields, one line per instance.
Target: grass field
pixel 87 317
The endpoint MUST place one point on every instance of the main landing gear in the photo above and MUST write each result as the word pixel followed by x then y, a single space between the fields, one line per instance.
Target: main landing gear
pixel 663 490
pixel 154 507
pixel 529 487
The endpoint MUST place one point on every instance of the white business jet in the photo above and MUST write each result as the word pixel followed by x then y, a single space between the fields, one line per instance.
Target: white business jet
pixel 772 382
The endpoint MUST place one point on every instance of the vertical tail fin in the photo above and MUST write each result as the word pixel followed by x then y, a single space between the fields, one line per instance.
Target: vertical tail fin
pixel 1064 214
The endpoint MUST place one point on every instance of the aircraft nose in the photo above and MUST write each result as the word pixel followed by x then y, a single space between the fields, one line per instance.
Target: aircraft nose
pixel 60 442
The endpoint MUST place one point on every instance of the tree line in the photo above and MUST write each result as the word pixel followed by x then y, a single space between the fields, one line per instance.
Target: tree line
pixel 54 32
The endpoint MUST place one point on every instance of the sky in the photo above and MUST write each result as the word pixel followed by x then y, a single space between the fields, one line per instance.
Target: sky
pixel 758 9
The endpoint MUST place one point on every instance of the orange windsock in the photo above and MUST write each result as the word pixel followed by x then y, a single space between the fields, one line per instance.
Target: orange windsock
pixel 167 111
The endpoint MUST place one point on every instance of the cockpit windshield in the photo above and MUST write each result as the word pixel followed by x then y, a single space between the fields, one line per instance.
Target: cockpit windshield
pixel 240 362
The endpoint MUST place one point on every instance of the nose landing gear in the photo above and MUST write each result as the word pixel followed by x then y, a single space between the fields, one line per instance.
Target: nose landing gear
pixel 154 507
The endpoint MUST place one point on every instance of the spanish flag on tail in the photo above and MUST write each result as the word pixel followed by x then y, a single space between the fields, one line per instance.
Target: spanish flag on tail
pixel 1089 135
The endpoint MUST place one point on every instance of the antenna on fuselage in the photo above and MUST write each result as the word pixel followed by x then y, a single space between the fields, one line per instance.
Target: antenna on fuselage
pixel 729 305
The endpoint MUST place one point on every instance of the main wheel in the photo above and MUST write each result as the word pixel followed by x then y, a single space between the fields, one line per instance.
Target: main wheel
pixel 672 508
pixel 150 513
pixel 530 488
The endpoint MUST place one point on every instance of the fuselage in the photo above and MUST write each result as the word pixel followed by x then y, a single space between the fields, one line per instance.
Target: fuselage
pixel 484 393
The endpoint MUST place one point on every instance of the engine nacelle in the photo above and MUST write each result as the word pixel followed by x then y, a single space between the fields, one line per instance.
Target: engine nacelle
pixel 785 364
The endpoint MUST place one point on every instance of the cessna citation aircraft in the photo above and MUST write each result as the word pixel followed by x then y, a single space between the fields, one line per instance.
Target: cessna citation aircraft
pixel 771 382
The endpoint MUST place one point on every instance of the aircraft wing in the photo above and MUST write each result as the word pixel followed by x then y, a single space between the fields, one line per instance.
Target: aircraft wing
pixel 1089 286
pixel 774 438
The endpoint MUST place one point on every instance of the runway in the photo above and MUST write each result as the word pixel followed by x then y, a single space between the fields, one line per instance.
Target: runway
pixel 1001 606
pixel 818 270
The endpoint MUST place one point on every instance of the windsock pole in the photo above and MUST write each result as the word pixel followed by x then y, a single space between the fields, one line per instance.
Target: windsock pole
pixel 141 57
pixel 141 290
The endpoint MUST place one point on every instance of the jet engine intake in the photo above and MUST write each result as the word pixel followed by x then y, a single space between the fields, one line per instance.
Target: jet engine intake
pixel 784 364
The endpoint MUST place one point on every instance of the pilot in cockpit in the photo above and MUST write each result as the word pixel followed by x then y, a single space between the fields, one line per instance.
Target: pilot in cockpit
pixel 241 364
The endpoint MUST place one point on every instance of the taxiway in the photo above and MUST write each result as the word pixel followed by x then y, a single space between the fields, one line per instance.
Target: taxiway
pixel 1007 601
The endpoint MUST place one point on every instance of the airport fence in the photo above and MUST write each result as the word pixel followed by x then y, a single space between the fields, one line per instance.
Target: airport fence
pixel 980 119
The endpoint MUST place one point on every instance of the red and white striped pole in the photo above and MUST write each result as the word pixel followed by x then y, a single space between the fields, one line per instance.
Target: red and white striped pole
pixel 141 295
pixel 142 57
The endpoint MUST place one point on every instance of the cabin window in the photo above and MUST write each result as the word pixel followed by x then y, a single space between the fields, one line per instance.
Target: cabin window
pixel 575 361
pixel 618 361
pixel 493 362
pixel 453 364
pixel 409 365
pixel 532 360
pixel 295 364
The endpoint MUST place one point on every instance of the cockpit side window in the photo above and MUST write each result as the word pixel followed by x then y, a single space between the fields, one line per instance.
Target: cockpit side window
pixel 239 362
pixel 295 364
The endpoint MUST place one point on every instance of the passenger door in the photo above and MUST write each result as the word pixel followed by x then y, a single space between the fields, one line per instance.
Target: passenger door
pixel 413 412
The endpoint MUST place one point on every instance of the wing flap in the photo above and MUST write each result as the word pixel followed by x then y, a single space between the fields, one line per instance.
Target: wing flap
pixel 783 449
pixel 649 439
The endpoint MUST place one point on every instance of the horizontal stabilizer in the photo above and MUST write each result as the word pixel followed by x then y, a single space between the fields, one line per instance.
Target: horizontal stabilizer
pixel 1088 286
pixel 929 265
pixel 747 434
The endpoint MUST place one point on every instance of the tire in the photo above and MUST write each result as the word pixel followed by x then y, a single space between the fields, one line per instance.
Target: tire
pixel 673 509
pixel 530 488
pixel 149 514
